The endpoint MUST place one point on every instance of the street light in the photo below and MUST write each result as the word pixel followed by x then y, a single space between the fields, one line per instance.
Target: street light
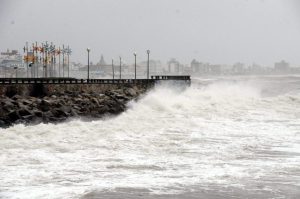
pixel 148 52
pixel 26 49
pixel 59 52
pixel 88 50
pixel 63 64
pixel 36 60
pixel 113 70
pixel 16 68
pixel 69 51
pixel 134 65
pixel 30 66
pixel 120 67
pixel 46 46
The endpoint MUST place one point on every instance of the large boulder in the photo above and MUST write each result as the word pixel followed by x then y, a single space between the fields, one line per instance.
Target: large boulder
pixel 25 112
pixel 131 92
pixel 38 113
pixel 102 109
pixel 7 105
pixel 46 116
pixel 26 101
pixel 45 105
pixel 14 116
pixel 2 123
pixel 58 113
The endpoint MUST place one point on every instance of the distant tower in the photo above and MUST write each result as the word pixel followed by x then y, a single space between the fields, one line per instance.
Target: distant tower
pixel 102 62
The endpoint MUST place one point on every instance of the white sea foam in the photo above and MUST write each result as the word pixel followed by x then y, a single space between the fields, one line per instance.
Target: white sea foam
pixel 227 133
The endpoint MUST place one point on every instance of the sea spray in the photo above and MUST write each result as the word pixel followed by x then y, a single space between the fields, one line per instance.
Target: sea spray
pixel 226 136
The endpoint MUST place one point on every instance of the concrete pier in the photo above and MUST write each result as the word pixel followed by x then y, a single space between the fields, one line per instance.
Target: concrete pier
pixel 31 101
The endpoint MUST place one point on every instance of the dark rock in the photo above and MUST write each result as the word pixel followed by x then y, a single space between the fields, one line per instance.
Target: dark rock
pixel 2 123
pixel 131 92
pixel 13 116
pixel 16 97
pixel 38 101
pixel 46 116
pixel 101 101
pixel 65 109
pixel 77 100
pixel 46 102
pixel 2 112
pixel 94 100
pixel 121 97
pixel 95 113
pixel 24 112
pixel 103 109
pixel 68 92
pixel 28 118
pixel 26 102
pixel 76 107
pixel 45 105
pixel 44 108
pixel 58 113
pixel 38 113
pixel 7 106
pixel 57 104
pixel 116 108
pixel 53 119
pixel 73 113
pixel 84 110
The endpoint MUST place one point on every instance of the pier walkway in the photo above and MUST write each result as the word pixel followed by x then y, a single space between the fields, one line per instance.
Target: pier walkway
pixel 154 79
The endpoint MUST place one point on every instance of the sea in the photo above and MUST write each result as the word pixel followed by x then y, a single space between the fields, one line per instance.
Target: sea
pixel 222 137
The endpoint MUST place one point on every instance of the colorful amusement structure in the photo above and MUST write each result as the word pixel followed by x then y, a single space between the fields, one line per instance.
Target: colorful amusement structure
pixel 41 60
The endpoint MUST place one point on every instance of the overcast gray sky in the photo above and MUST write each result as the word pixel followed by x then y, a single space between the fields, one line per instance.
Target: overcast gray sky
pixel 216 31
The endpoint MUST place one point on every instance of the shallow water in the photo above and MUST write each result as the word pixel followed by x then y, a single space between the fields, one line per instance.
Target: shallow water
pixel 230 137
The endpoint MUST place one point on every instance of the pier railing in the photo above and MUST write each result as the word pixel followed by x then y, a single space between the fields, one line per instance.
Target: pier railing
pixel 89 81
pixel 171 77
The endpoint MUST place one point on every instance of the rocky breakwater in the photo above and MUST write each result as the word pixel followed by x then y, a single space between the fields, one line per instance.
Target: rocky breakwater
pixel 60 106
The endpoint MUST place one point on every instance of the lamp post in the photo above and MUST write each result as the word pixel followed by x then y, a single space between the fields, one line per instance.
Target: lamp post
pixel 120 67
pixel 69 51
pixel 16 68
pixel 46 46
pixel 51 59
pixel 134 65
pixel 36 60
pixel 59 51
pixel 88 75
pixel 113 70
pixel 148 52
pixel 33 60
pixel 27 59
pixel 63 60
pixel 43 59
pixel 31 64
